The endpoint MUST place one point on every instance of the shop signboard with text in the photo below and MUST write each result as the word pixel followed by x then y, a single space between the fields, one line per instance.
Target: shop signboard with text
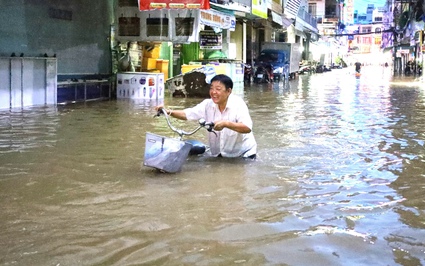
pixel 259 8
pixel 173 4
pixel 209 39
pixel 217 19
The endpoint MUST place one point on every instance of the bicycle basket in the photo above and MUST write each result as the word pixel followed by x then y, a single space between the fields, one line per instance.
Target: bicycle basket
pixel 166 154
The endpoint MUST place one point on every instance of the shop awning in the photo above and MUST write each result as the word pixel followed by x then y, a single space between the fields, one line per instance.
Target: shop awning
pixel 314 36
pixel 231 6
pixel 298 26
pixel 398 47
pixel 286 21
pixel 277 18
pixel 300 33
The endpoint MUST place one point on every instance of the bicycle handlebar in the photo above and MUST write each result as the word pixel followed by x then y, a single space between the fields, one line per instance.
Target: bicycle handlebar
pixel 202 123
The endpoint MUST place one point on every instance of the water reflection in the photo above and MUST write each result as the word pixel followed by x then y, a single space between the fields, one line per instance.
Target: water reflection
pixel 338 181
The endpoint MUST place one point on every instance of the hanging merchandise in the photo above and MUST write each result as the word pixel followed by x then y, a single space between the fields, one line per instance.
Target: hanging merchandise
pixel 129 26
pixel 157 27
pixel 171 25
pixel 176 25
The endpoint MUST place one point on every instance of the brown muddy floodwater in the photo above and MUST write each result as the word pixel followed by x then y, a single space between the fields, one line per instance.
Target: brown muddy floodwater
pixel 339 180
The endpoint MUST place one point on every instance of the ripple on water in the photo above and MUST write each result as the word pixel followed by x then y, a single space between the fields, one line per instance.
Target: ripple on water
pixel 339 173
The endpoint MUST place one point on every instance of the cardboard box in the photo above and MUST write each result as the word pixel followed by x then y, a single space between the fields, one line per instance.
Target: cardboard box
pixel 140 85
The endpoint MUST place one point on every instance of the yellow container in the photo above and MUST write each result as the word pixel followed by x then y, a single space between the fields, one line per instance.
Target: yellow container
pixel 148 63
pixel 152 53
pixel 162 66
pixel 187 68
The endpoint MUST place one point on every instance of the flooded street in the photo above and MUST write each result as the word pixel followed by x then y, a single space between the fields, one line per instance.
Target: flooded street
pixel 339 180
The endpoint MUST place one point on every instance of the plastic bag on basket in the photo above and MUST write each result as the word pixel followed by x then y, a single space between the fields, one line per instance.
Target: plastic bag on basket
pixel 164 153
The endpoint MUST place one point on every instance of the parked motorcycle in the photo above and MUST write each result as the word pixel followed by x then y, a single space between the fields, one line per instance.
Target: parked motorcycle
pixel 408 69
pixel 334 66
pixel 247 73
pixel 419 69
pixel 322 68
pixel 263 74
pixel 307 69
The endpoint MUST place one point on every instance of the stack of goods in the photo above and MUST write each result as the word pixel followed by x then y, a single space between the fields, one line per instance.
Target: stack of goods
pixel 150 55
pixel 162 66
pixel 151 61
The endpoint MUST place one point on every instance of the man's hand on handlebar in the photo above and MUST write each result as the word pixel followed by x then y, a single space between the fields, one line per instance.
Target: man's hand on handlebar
pixel 160 109
pixel 219 125
pixel 179 114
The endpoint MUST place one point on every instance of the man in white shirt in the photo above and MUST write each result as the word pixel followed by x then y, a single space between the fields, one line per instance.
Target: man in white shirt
pixel 233 135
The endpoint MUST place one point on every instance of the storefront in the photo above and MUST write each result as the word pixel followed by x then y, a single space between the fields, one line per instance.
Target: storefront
pixel 166 37
pixel 169 29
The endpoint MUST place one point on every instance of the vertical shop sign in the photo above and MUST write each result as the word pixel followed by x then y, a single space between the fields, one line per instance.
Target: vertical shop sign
pixel 418 37
pixel 349 12
pixel 259 8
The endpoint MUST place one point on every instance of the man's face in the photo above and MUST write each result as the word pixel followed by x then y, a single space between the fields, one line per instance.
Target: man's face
pixel 218 92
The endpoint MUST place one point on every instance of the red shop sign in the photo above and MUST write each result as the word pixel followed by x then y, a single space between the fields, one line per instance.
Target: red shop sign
pixel 159 4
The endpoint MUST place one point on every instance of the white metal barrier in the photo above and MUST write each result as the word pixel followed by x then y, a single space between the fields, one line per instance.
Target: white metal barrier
pixel 27 81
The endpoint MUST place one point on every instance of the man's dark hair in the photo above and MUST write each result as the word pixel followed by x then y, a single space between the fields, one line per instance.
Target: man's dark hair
pixel 226 80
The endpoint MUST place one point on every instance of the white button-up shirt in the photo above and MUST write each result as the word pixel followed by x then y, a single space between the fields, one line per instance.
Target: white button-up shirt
pixel 227 142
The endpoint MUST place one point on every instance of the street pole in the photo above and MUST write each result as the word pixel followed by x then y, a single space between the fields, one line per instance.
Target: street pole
pixel 394 52
pixel 395 35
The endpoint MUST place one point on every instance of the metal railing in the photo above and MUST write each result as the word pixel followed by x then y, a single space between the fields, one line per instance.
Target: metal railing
pixel 307 17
